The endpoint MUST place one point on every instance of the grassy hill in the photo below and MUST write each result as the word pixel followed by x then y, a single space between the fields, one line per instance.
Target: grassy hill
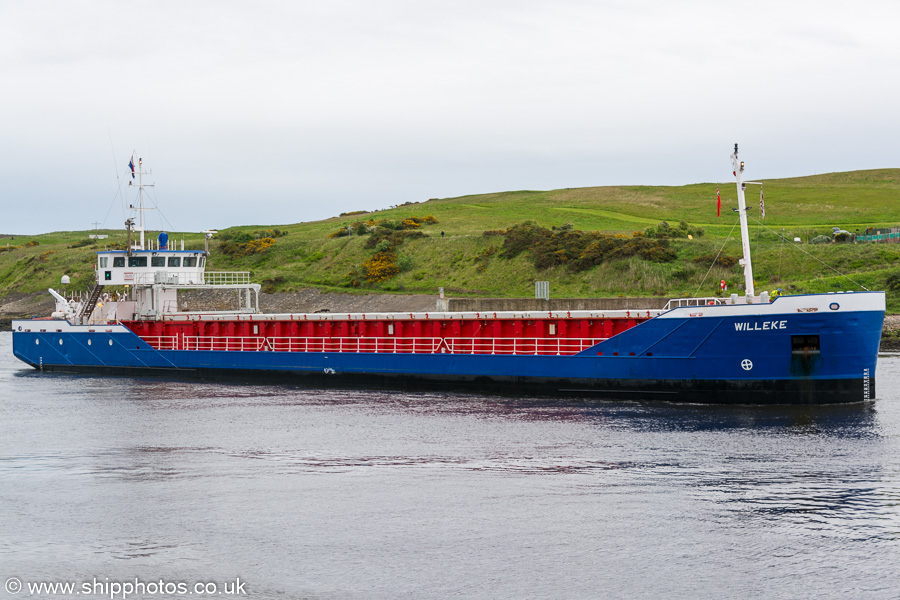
pixel 466 262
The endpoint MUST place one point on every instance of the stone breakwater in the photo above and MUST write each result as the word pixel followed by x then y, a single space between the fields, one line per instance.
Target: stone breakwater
pixel 890 335
pixel 24 306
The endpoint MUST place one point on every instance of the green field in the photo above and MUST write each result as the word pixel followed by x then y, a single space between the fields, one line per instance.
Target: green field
pixel 466 263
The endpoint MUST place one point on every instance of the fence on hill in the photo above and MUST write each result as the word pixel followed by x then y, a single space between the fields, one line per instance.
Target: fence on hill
pixel 884 236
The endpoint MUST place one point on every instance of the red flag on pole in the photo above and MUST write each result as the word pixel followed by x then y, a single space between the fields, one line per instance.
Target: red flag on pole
pixel 718 203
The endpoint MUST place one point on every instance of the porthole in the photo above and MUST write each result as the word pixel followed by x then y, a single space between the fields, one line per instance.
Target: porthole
pixel 110 342
pixel 37 342
pixel 89 342
pixel 60 341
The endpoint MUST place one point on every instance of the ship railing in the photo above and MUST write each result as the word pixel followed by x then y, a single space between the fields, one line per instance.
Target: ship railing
pixel 392 345
pixel 194 277
pixel 708 301
pixel 226 277
pixel 162 342
pixel 165 278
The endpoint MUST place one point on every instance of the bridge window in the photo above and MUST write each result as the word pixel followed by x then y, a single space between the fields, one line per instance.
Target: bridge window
pixel 118 261
pixel 137 261
pixel 104 260
pixel 174 261
pixel 158 261
pixel 202 262
pixel 805 345
pixel 190 261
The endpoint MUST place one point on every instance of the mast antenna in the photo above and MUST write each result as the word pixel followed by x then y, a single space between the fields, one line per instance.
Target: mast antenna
pixel 140 207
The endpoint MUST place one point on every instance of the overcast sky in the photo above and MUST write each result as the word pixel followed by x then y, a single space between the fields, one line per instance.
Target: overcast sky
pixel 279 112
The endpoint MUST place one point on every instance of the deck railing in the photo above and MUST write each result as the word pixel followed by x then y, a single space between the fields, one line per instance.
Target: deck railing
pixel 194 277
pixel 163 342
pixel 710 300
pixel 226 277
pixel 392 345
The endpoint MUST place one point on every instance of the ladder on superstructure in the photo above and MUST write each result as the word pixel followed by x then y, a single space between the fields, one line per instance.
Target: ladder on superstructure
pixel 88 307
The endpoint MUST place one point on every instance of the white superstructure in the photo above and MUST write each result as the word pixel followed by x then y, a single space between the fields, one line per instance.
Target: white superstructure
pixel 147 283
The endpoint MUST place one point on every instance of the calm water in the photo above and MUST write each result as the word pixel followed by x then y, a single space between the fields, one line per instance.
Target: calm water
pixel 338 494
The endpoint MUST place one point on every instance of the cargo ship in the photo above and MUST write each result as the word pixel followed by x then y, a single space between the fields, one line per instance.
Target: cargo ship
pixel 747 349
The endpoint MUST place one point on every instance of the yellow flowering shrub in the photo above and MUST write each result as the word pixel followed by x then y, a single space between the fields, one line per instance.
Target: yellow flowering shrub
pixel 258 246
pixel 380 267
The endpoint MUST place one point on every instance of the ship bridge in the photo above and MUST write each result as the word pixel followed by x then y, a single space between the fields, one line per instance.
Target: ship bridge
pixel 145 267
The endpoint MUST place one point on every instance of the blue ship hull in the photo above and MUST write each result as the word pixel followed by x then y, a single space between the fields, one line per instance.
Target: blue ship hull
pixel 797 350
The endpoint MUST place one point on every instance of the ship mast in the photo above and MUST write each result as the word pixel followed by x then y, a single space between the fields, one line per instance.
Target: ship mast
pixel 745 235
pixel 140 207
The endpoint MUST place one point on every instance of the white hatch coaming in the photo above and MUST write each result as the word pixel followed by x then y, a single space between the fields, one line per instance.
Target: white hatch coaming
pixel 418 316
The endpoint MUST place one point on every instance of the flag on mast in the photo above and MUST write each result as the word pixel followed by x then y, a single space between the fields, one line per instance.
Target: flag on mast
pixel 762 204
pixel 718 203
pixel 131 166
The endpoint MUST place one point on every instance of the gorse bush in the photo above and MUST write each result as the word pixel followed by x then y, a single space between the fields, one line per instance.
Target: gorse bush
pixel 613 248
pixel 665 231
pixel 380 267
pixel 579 250
pixel 229 235
pixel 242 243
pixel 389 240
pixel 522 237
pixel 379 225
pixel 258 246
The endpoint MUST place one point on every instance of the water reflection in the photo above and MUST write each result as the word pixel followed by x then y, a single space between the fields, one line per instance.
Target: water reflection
pixel 848 419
